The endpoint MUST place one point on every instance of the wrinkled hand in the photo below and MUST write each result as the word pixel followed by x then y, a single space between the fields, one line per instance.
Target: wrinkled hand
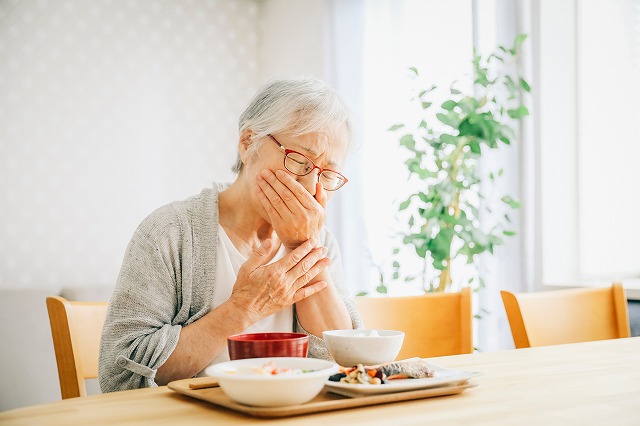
pixel 261 289
pixel 295 214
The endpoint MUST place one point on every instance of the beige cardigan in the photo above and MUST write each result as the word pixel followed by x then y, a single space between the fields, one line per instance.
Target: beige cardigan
pixel 167 282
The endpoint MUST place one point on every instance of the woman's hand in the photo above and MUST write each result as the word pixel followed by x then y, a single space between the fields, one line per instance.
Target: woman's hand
pixel 294 213
pixel 262 289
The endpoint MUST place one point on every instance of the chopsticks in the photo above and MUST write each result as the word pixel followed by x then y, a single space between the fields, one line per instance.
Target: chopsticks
pixel 204 384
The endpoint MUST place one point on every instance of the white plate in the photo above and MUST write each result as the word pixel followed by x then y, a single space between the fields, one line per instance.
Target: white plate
pixel 443 377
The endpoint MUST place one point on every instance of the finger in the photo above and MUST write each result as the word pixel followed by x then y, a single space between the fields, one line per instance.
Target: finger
pixel 309 266
pixel 309 290
pixel 274 198
pixel 296 255
pixel 321 195
pixel 267 205
pixel 289 195
pixel 308 276
pixel 301 194
pixel 261 255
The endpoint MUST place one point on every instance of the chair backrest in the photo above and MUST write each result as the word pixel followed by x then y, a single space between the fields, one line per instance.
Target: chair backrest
pixel 567 316
pixel 76 328
pixel 435 324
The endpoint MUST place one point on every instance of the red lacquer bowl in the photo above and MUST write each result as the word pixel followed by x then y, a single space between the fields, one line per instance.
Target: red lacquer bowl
pixel 265 345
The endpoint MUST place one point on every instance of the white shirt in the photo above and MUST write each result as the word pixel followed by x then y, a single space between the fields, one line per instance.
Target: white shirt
pixel 229 261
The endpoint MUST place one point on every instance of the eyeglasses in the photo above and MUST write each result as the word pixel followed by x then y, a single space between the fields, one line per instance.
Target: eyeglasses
pixel 300 165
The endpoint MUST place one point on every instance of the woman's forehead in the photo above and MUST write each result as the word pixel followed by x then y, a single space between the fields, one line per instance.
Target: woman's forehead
pixel 333 146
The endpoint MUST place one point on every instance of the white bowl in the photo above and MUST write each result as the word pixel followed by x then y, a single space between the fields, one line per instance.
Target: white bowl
pixel 242 383
pixel 369 347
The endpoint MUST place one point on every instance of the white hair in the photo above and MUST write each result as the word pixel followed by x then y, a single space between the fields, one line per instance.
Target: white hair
pixel 295 106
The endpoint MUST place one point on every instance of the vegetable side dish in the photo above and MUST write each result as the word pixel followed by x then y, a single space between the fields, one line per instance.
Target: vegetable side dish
pixel 414 368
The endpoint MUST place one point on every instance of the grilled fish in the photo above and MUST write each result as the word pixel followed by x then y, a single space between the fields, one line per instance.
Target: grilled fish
pixel 412 368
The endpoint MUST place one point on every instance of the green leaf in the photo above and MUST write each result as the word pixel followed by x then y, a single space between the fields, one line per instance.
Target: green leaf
pixel 408 141
pixel 396 250
pixel 511 202
pixel 519 112
pixel 505 140
pixel 455 91
pixel 448 139
pixel 474 146
pixel 525 85
pixel 411 221
pixel 362 293
pixel 440 245
pixel 404 204
pixel 495 56
pixel 495 240
pixel 395 127
pixel 520 38
pixel 396 264
pixel 414 70
pixel 426 91
pixel 468 104
pixel 475 125
pixel 382 289
pixel 480 238
pixel 511 86
pixel 426 105
pixel 413 164
pixel 482 77
pixel 439 265
pixel 421 250
pixel 449 105
pixel 509 233
pixel 451 119
pixel 423 124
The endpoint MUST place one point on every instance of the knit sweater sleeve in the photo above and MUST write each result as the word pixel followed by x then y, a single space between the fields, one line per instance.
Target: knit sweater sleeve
pixel 317 347
pixel 141 328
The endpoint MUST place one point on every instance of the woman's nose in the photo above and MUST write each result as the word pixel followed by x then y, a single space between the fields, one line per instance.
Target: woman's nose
pixel 309 182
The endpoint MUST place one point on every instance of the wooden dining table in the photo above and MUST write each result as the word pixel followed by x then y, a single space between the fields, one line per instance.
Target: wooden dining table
pixel 576 384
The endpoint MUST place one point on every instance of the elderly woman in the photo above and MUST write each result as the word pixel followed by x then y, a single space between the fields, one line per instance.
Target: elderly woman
pixel 252 256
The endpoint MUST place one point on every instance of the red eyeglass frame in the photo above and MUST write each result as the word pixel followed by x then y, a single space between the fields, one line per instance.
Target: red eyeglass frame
pixel 288 151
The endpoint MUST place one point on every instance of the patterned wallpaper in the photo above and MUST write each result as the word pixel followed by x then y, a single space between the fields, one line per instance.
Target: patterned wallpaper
pixel 108 110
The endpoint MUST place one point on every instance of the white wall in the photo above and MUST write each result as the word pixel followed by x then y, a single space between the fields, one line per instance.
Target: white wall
pixel 109 110
pixel 290 38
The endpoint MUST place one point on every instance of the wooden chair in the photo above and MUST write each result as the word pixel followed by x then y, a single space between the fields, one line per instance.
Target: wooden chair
pixel 567 316
pixel 435 324
pixel 76 328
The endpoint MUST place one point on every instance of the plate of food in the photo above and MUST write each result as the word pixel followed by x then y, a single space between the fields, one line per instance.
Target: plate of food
pixel 400 376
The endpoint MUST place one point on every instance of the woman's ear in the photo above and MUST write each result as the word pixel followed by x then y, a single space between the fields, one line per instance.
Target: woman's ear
pixel 244 144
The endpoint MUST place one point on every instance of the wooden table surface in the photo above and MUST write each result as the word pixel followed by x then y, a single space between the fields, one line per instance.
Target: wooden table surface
pixel 584 383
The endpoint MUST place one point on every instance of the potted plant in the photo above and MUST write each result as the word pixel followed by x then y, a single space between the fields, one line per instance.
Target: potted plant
pixel 443 216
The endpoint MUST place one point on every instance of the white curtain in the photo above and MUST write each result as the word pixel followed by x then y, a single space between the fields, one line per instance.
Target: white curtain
pixel 516 265
pixel 343 69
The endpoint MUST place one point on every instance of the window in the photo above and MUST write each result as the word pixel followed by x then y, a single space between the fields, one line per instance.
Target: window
pixel 436 38
pixel 590 60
